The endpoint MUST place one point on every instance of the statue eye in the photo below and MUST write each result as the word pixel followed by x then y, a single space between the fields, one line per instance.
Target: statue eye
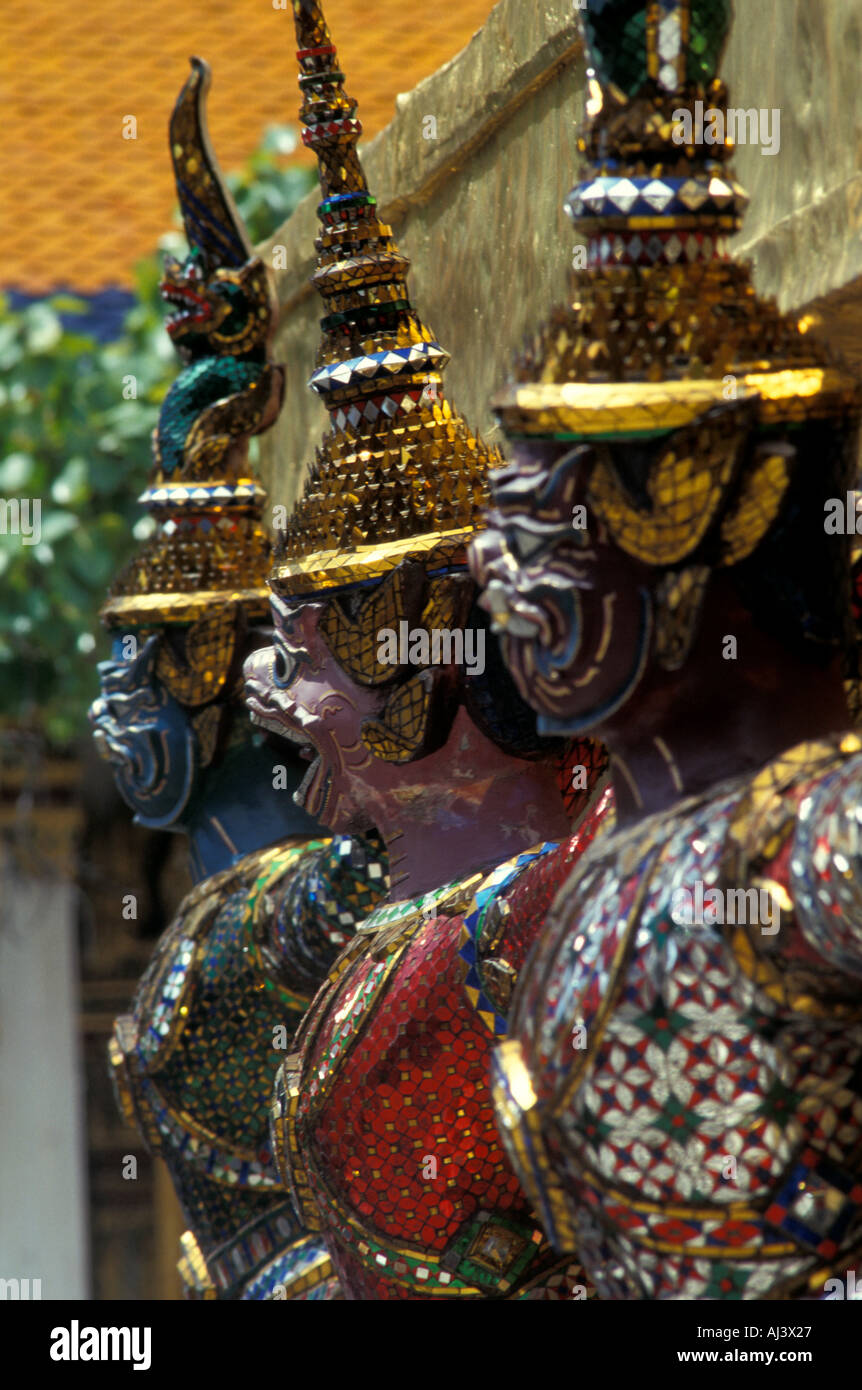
pixel 283 667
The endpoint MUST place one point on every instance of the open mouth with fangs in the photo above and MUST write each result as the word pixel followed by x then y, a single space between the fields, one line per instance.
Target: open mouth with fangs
pixel 191 309
pixel 313 792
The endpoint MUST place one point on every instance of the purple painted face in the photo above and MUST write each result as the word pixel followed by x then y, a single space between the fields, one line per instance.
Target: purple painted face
pixel 572 610
pixel 297 689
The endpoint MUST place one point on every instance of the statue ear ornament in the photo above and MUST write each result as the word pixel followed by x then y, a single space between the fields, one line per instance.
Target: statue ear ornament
pixel 352 637
pixel 415 710
pixel 210 649
pixel 690 471
pixel 417 716
pixel 207 726
pixel 679 597
pixel 419 706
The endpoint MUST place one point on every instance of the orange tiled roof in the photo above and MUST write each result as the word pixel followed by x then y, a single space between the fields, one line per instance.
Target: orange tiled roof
pixel 81 204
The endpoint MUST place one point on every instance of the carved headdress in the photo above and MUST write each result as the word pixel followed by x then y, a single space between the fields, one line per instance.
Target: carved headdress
pixel 399 474
pixel 400 481
pixel 665 344
pixel 706 424
pixel 205 565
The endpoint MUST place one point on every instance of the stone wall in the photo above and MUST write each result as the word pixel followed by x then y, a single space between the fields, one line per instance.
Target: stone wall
pixel 803 231
pixel 478 206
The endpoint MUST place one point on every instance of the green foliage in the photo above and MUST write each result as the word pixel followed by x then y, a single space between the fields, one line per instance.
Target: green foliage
pixel 73 436
pixel 266 193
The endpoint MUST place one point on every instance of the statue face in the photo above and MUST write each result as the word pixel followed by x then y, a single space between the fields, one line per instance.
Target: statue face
pixel 147 736
pixel 573 611
pixel 298 690
pixel 213 308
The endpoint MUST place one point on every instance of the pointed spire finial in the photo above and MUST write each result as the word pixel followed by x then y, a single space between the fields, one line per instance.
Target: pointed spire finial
pixel 328 113
pixel 400 472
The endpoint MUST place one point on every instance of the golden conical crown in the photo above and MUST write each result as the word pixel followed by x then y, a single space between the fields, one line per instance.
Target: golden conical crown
pixel 661 324
pixel 399 473
pixel 665 349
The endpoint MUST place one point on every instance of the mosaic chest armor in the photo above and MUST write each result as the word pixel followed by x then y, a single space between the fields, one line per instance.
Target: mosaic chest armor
pixel 194 1060
pixel 383 1121
pixel 682 1091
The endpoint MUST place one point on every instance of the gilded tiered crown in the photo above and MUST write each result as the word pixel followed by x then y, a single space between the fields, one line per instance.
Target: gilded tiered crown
pixel 665 342
pixel 399 474
pixel 209 552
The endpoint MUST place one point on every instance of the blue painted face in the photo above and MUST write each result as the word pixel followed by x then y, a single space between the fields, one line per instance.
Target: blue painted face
pixel 146 735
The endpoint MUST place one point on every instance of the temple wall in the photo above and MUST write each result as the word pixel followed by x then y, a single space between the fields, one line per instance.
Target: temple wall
pixel 472 173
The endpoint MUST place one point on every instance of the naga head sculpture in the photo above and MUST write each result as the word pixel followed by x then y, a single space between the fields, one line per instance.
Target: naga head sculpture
pixel 671 434
pixel 215 310
pixel 380 661
pixel 220 299
pixel 193 602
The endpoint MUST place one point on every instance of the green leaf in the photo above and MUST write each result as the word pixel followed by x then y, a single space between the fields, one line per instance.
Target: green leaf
pixel 279 139
pixel 16 472
pixel 58 524
pixel 73 485
pixel 44 329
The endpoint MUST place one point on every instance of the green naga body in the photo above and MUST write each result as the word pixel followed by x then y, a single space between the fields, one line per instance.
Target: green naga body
pixel 222 319
pixel 198 388
pixel 193 1062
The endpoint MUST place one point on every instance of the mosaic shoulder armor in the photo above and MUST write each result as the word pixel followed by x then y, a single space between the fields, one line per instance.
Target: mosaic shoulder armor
pixel 507 912
pixel 681 1092
pixel 382 1120
pixel 826 872
pixel 193 1062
